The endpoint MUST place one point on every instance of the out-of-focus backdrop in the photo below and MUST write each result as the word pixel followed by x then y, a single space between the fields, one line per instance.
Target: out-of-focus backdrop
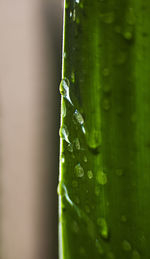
pixel 30 71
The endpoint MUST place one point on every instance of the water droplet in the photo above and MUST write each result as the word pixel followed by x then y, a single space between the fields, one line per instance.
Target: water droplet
pixel 60 190
pixel 135 255
pixel 62 159
pixel 77 1
pixel 106 71
pixel 101 177
pixel 73 77
pixel 87 209
pixel 106 88
pixel 110 255
pixel 74 15
pixel 64 134
pixel 77 144
pixel 128 35
pixel 103 227
pixel 133 118
pixel 130 17
pixel 119 172
pixel 99 247
pixel 70 148
pixel 79 171
pixel 121 58
pixel 117 29
pixel 126 246
pixel 89 174
pixel 85 159
pixel 74 183
pixel 106 104
pixel 64 89
pixel 78 117
pixel 75 227
pixel 97 191
pixel 107 18
pixel 63 109
pixel 123 219
pixel 77 200
pixel 70 14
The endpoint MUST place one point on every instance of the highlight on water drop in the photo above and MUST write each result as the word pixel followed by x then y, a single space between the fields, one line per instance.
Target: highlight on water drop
pixel 79 171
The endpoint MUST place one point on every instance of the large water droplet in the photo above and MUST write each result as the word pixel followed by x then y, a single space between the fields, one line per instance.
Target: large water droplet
pixel 64 89
pixel 135 255
pixel 79 170
pixel 90 174
pixel 103 227
pixel 101 177
pixel 107 18
pixel 79 117
pixel 64 134
pixel 126 246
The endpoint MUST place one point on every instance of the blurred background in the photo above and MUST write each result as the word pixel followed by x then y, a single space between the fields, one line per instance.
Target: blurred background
pixel 30 72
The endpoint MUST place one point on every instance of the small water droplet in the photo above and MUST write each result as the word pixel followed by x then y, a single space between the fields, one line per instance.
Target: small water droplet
pixel 106 71
pixel 103 227
pixel 77 144
pixel 121 58
pixel 107 18
pixel 87 209
pixel 130 17
pixel 77 1
pixel 97 191
pixel 119 172
pixel 110 255
pixel 106 88
pixel 70 148
pixel 126 246
pixel 70 14
pixel 75 227
pixel 85 159
pixel 74 15
pixel 64 134
pixel 79 117
pixel 74 183
pixel 123 219
pixel 106 104
pixel 99 247
pixel 135 255
pixel 89 174
pixel 128 35
pixel 64 89
pixel 62 159
pixel 79 170
pixel 63 109
pixel 117 29
pixel 101 177
pixel 73 77
pixel 133 118
pixel 77 200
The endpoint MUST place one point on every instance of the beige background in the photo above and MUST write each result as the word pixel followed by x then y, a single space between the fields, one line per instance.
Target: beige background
pixel 30 49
